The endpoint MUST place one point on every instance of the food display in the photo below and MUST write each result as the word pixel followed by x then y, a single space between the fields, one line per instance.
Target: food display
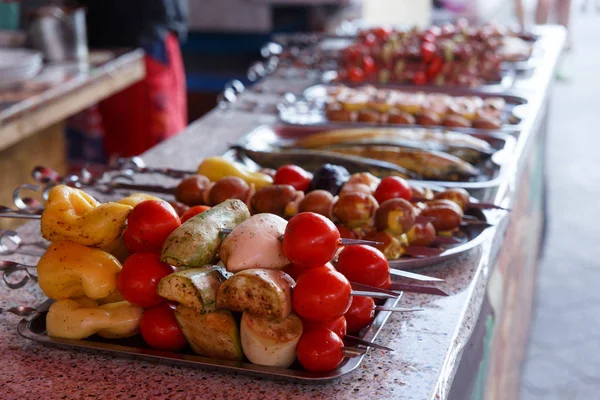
pixel 216 285
pixel 448 55
pixel 448 158
pixel 404 218
pixel 373 105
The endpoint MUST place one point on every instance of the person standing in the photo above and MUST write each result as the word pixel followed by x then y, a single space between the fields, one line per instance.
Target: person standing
pixel 152 110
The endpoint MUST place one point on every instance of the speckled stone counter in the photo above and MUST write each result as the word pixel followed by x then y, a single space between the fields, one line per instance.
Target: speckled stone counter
pixel 429 345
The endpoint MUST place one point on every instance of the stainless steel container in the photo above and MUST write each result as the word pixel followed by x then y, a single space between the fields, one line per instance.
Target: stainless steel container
pixel 60 33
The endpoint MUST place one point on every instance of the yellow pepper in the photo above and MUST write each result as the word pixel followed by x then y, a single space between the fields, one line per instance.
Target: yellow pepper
pixel 71 214
pixel 81 318
pixel 136 198
pixel 69 270
pixel 215 168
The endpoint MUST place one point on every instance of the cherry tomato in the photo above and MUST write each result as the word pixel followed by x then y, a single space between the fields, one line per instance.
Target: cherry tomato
pixel 160 330
pixel 310 239
pixel 294 176
pixel 369 40
pixel 392 187
pixel 346 232
pixel 434 67
pixel 321 295
pixel 355 74
pixel 149 224
pixel 420 78
pixel 363 264
pixel 351 54
pixel 428 50
pixel 360 314
pixel 192 211
pixel 295 270
pixel 320 350
pixel 139 278
pixel 337 326
pixel 381 33
pixel 368 65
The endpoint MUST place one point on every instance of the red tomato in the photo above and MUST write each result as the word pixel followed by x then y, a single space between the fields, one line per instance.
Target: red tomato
pixel 434 67
pixel 346 232
pixel 337 326
pixel 352 54
pixel 360 314
pixel 160 330
pixel 392 187
pixel 321 295
pixel 310 239
pixel 294 176
pixel 295 270
pixel 420 78
pixel 192 211
pixel 355 74
pixel 320 350
pixel 368 65
pixel 139 278
pixel 428 50
pixel 369 40
pixel 149 224
pixel 381 33
pixel 364 264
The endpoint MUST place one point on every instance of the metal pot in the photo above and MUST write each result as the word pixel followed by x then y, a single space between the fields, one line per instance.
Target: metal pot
pixel 60 33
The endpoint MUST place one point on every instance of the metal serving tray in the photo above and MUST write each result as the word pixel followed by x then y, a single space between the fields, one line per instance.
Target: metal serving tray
pixel 34 328
pixel 266 137
pixel 309 110
pixel 471 235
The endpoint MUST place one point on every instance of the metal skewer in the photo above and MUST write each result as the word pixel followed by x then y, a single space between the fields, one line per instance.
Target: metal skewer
pixel 7 268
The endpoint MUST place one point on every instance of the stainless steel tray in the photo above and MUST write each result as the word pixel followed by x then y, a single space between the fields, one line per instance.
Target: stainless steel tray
pixel 472 236
pixel 34 328
pixel 265 137
pixel 309 110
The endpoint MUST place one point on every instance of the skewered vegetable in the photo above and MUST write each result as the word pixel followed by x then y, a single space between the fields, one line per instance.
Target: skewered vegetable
pixel 68 270
pixel 354 209
pixel 196 242
pixel 213 334
pixel 230 187
pixel 395 216
pixel 194 288
pixel 270 342
pixel 149 225
pixel 260 292
pixel 160 329
pixel 191 190
pixel 81 318
pixel 273 199
pixel 73 215
pixel 310 240
pixel 139 279
pixel 318 201
pixel 330 178
pixel 215 168
pixel 255 243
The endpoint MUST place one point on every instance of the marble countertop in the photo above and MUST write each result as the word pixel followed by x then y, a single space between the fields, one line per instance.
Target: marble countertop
pixel 428 345
pixel 61 90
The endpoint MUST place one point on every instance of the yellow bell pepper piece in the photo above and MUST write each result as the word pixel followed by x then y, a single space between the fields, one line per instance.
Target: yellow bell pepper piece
pixel 69 270
pixel 136 198
pixel 215 168
pixel 81 318
pixel 71 214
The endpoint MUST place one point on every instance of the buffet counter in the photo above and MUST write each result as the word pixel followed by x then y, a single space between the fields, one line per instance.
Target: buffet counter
pixel 466 344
